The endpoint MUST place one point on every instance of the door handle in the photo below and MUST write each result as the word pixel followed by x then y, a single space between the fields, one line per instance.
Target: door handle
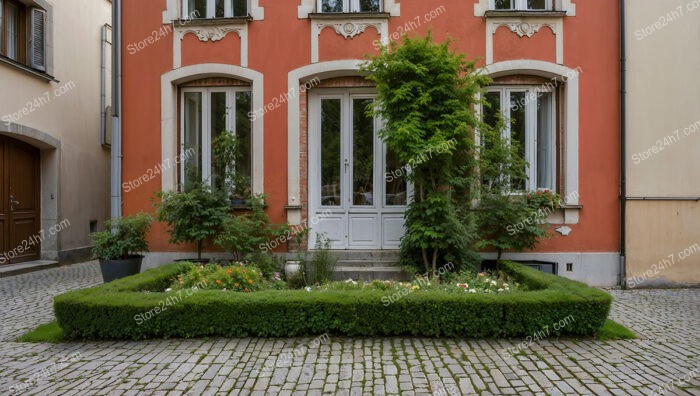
pixel 347 165
pixel 13 202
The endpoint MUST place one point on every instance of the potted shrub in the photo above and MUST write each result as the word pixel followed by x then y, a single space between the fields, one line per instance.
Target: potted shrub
pixel 194 216
pixel 120 245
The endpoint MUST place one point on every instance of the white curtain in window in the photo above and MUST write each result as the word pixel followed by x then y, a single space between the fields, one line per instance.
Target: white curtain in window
pixel 12 31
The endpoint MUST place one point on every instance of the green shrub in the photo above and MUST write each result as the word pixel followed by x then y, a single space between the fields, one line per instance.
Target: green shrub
pixel 322 263
pixel 122 238
pixel 109 311
pixel 249 233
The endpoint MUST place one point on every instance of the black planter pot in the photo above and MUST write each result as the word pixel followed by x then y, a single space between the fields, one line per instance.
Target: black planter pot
pixel 115 269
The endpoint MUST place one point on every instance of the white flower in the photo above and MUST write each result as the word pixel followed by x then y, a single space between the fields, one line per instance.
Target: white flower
pixel 494 283
pixel 308 289
pixel 168 289
pixel 351 281
pixel 500 290
pixel 472 290
pixel 505 284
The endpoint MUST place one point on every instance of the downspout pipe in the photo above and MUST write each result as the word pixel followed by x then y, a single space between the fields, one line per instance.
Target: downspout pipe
pixel 623 145
pixel 116 154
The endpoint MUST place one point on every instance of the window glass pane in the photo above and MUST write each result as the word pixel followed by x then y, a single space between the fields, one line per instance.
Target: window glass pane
pixel 197 8
pixel 193 138
pixel 362 153
pixel 244 128
pixel 12 50
pixel 331 5
pixel 517 130
pixel 370 6
pixel 492 111
pixel 545 141
pixel 504 4
pixel 217 103
pixel 395 176
pixel 240 7
pixel 536 4
pixel 492 116
pixel 219 9
pixel 331 189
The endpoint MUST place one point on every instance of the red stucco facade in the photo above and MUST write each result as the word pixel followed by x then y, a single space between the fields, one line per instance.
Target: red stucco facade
pixel 584 38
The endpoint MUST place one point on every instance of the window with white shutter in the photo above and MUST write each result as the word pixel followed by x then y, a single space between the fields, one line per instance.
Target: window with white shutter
pixel 37 39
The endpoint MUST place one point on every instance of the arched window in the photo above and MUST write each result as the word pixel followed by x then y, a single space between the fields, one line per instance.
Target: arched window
pixel 209 108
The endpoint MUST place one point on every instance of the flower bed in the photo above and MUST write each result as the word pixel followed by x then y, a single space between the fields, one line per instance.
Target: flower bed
pixel 110 311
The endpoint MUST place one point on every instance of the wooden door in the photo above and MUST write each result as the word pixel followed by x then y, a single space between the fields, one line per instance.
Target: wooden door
pixel 19 202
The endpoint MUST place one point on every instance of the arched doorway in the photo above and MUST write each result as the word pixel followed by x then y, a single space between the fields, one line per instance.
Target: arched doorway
pixel 20 236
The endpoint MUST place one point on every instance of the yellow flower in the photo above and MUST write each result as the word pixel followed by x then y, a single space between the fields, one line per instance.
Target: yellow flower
pixel 415 287
pixel 250 281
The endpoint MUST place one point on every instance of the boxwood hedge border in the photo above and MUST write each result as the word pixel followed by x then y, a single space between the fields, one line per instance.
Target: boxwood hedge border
pixel 109 311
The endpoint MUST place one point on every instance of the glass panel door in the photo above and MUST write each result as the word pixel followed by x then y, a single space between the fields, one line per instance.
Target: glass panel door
pixel 331 153
pixel 362 153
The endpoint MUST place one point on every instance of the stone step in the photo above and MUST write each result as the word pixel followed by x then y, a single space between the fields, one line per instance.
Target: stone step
pixel 377 255
pixel 394 273
pixel 367 263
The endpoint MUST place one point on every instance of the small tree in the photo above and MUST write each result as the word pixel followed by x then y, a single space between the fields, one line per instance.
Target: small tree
pixel 194 216
pixel 505 218
pixel 228 161
pixel 427 96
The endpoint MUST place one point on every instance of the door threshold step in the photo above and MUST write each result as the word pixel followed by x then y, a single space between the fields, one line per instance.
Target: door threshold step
pixel 367 263
pixel 28 266
pixel 370 273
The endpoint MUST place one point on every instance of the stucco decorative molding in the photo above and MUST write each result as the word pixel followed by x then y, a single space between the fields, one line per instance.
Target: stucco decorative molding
pixel 307 7
pixel 567 6
pixel 525 26
pixel 347 28
pixel 210 33
pixel 564 230
pixel 213 33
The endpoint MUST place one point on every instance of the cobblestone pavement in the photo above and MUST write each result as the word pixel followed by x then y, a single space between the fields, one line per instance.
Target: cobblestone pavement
pixel 668 323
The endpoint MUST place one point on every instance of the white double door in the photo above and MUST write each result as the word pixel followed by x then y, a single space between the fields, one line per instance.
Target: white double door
pixel 355 195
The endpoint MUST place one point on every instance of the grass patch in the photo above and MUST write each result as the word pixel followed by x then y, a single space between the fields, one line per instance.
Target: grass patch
pixel 49 332
pixel 612 330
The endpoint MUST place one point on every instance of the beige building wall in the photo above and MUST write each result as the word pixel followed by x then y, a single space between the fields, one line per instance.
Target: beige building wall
pixel 663 142
pixel 75 166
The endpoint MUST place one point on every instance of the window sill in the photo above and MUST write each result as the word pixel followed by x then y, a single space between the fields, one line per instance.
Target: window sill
pixel 349 15
pixel 213 21
pixel 22 67
pixel 520 13
pixel 568 214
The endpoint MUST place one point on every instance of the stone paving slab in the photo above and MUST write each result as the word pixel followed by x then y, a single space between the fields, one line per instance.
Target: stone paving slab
pixel 667 321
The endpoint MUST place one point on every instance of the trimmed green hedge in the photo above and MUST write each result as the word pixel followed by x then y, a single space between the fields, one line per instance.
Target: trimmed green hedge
pixel 109 311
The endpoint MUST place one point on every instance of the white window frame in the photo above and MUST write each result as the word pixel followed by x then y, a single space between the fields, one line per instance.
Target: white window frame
pixel 531 121
pixel 206 126
pixel 211 10
pixel 349 6
pixel 520 5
